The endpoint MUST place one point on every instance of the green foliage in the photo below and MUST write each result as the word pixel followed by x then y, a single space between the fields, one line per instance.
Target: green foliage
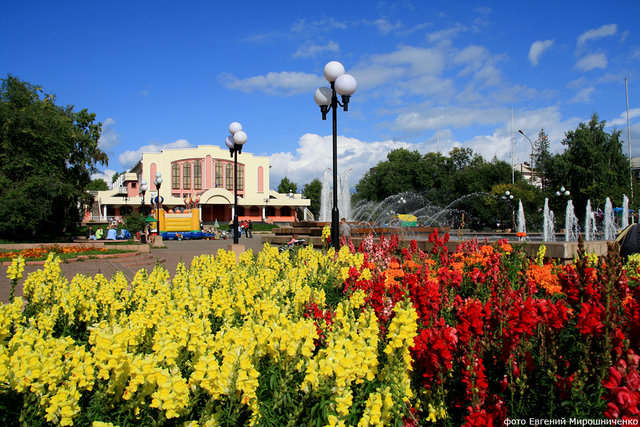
pixel 98 185
pixel 47 155
pixel 440 179
pixel 287 186
pixel 134 222
pixel 313 191
pixel 594 165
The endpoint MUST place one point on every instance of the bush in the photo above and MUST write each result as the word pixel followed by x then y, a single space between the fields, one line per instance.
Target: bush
pixel 134 222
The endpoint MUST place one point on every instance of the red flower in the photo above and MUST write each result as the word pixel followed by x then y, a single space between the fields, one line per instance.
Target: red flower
pixel 589 318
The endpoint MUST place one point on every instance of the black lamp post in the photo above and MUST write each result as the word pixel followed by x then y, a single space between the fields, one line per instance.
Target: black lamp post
pixel 158 183
pixel 508 198
pixel 234 142
pixel 327 99
pixel 143 190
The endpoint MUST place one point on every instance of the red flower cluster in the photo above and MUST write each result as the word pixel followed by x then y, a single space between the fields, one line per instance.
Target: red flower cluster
pixel 502 337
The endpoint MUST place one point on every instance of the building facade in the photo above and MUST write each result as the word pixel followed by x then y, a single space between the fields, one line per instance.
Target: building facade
pixel 204 176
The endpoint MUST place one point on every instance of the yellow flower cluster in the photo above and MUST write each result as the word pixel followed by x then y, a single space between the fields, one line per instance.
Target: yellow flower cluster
pixel 160 341
pixel 15 270
pixel 402 330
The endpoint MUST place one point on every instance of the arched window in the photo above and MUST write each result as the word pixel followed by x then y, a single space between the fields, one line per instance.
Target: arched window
pixel 240 177
pixel 229 180
pixel 197 175
pixel 218 177
pixel 175 176
pixel 186 175
pixel 260 179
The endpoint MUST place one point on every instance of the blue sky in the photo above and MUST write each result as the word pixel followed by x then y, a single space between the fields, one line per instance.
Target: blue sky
pixel 431 75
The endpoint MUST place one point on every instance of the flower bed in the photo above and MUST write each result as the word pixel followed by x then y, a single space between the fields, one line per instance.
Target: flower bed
pixel 41 252
pixel 374 336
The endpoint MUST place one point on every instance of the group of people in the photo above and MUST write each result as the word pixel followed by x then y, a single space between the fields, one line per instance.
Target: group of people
pixel 246 226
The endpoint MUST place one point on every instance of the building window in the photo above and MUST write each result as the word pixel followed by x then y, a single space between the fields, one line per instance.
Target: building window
pixel 240 177
pixel 260 179
pixel 197 175
pixel 186 175
pixel 218 181
pixel 175 176
pixel 229 182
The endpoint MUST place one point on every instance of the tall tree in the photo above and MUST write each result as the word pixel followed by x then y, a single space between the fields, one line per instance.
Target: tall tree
pixel 542 159
pixel 47 155
pixel 287 186
pixel 594 164
pixel 98 185
pixel 313 191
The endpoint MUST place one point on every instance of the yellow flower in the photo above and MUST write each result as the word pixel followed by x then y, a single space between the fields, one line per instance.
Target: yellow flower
pixel 15 270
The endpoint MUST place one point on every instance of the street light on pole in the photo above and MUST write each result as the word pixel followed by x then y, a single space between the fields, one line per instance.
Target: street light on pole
pixel 143 190
pixel 158 183
pixel 234 143
pixel 530 142
pixel 345 85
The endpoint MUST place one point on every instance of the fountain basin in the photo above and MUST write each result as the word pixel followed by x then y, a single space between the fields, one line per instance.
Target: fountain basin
pixel 564 251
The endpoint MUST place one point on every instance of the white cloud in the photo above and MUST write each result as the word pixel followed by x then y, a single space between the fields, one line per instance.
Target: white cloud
pixel 577 83
pixel 621 120
pixel 603 31
pixel 282 83
pixel 314 152
pixel 129 158
pixel 320 25
pixel 417 60
pixel 314 155
pixel 583 95
pixel 471 55
pixel 537 49
pixel 594 60
pixel 312 50
pixel 109 138
pixel 456 117
pixel 106 175
pixel 445 35
pixel 385 26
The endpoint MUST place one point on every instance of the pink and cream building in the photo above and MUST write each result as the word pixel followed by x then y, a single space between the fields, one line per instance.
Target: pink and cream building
pixel 203 174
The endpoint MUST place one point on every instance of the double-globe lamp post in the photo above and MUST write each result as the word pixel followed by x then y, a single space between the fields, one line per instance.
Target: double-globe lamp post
pixel 143 190
pixel 344 84
pixel 158 183
pixel 234 142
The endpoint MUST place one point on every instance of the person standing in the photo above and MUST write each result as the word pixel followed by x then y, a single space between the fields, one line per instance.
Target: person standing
pixel 250 229
pixel 345 229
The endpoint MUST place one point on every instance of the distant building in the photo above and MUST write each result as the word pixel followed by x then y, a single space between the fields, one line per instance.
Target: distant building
pixel 203 174
pixel 525 169
pixel 635 167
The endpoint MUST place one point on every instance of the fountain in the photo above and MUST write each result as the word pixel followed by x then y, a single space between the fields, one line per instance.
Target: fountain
pixel 522 224
pixel 383 218
pixel 571 224
pixel 344 197
pixel 548 232
pixel 428 214
pixel 590 228
pixel 325 199
pixel 625 211
pixel 609 221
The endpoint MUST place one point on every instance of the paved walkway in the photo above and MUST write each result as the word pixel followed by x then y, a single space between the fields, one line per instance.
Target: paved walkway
pixel 175 251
